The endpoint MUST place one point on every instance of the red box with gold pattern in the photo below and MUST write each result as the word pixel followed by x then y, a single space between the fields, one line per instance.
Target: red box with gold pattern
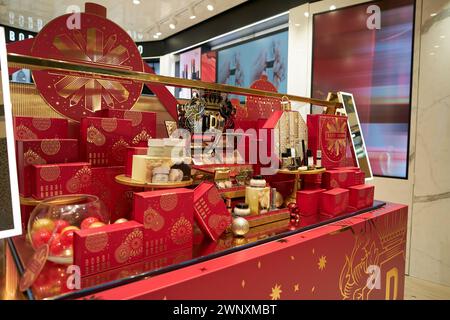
pixel 308 202
pixel 361 196
pixel 61 178
pixel 117 197
pixel 108 247
pixel 328 133
pixel 167 216
pixel 143 124
pixel 104 140
pixel 42 151
pixel 334 202
pixel 40 128
pixel 210 210
pixel 131 151
pixel 338 179
pixel 360 178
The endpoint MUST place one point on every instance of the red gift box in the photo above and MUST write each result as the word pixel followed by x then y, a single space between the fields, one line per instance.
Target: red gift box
pixel 325 217
pixel 210 210
pixel 308 202
pixel 131 151
pixel 328 133
pixel 42 151
pixel 306 221
pixel 338 179
pixel 60 179
pixel 167 216
pixel 334 202
pixel 108 247
pixel 116 197
pixel 40 128
pixel 143 123
pixel 359 178
pixel 104 140
pixel 361 196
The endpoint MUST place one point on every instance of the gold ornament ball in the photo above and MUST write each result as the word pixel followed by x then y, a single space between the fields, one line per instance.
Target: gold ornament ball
pixel 122 220
pixel 240 226
pixel 97 224
pixel 43 223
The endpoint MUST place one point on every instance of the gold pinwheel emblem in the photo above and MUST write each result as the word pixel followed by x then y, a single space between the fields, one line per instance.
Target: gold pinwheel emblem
pixel 96 50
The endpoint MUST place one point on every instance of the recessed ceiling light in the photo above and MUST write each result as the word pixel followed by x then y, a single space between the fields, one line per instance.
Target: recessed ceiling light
pixel 437 46
pixel 192 15
pixel 333 7
pixel 155 36
pixel 172 26
pixel 210 7
pixel 306 14
pixel 442 37
pixel 158 30
pixel 297 24
pixel 136 1
pixel 432 53
pixel 434 14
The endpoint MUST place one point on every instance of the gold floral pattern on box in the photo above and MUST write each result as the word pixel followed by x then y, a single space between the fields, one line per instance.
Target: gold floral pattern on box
pixel 181 231
pixel 50 173
pixel 42 124
pixel 23 132
pixel 153 220
pixel 96 242
pixel 95 136
pixel 135 117
pixel 50 147
pixel 168 201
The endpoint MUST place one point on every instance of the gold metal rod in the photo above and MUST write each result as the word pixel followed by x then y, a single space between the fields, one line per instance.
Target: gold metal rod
pixel 92 70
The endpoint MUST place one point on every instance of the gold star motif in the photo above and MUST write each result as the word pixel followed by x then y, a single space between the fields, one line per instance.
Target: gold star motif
pixel 243 283
pixel 276 292
pixel 322 263
pixel 296 287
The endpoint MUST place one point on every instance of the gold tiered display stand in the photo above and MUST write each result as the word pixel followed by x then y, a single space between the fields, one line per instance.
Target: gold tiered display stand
pixel 127 181
pixel 297 181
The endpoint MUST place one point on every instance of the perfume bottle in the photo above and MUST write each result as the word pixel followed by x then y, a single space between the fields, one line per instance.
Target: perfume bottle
pixel 319 159
pixel 310 160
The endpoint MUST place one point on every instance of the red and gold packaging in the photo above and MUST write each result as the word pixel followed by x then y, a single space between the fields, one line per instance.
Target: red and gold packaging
pixel 60 179
pixel 42 151
pixel 338 179
pixel 312 181
pixel 167 216
pixel 104 140
pixel 361 196
pixel 117 198
pixel 357 178
pixel 308 202
pixel 334 202
pixel 40 128
pixel 210 210
pixel 143 124
pixel 328 133
pixel 108 247
pixel 360 178
pixel 306 221
pixel 131 151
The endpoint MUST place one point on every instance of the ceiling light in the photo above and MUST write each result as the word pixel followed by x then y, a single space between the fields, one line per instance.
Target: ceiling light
pixel 158 30
pixel 442 37
pixel 437 46
pixel 432 53
pixel 332 7
pixel 306 14
pixel 173 24
pixel 297 24
pixel 136 1
pixel 210 5
pixel 155 36
pixel 192 15
pixel 434 14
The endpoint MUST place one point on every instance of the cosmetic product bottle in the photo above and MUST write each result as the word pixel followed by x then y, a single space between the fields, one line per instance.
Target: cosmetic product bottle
pixel 241 210
pixel 285 160
pixel 252 193
pixel 304 153
pixel 273 199
pixel 310 160
pixel 319 159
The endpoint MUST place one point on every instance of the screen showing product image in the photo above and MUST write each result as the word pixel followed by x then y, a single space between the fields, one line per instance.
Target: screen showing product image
pixel 190 69
pixel 375 65
pixel 243 64
pixel 208 72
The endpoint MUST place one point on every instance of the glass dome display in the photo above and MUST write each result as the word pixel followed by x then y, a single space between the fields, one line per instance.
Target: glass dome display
pixel 55 220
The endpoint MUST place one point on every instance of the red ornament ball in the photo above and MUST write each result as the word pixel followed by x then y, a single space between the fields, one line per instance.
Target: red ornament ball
pixel 67 236
pixel 41 237
pixel 56 247
pixel 60 225
pixel 85 224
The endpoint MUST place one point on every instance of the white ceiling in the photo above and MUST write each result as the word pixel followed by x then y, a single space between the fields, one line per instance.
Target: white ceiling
pixel 140 20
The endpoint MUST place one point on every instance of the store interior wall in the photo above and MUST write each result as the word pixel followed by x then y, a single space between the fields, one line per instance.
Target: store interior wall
pixel 427 190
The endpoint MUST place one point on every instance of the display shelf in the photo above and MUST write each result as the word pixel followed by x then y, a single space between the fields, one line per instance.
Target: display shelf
pixel 127 181
pixel 202 253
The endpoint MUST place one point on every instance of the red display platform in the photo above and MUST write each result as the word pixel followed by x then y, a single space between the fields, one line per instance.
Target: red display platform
pixel 360 257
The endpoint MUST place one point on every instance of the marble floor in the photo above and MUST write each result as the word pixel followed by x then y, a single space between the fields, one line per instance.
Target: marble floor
pixel 416 289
